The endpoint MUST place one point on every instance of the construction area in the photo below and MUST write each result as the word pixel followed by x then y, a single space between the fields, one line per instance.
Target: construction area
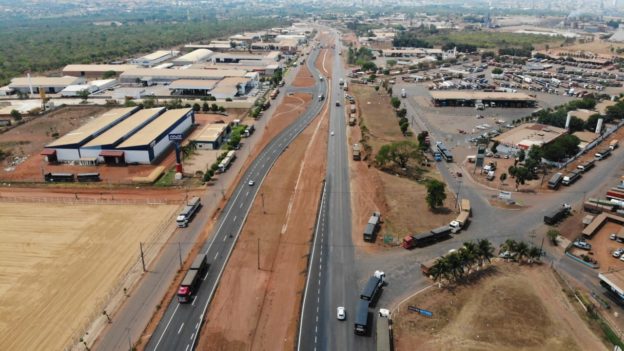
pixel 505 307
pixel 64 263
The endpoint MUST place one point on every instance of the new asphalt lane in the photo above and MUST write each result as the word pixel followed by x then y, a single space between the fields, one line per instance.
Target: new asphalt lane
pixel 180 326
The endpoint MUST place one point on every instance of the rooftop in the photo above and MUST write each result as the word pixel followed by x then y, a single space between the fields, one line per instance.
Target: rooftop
pixel 210 132
pixel 529 134
pixel 93 127
pixel 582 114
pixel 157 55
pixel 98 68
pixel 480 95
pixel 151 131
pixel 125 127
pixel 183 73
pixel 44 81
pixel 195 56
pixel 193 84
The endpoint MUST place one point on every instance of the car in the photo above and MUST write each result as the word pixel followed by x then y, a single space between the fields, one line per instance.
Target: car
pixel 582 245
pixel 337 104
pixel 507 254
pixel 618 253
pixel 251 183
pixel 341 314
pixel 612 236
pixel 332 133
pixel 622 258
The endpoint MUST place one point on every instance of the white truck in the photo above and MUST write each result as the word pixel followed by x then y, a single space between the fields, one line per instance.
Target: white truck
pixel 463 217
pixel 188 211
pixel 403 93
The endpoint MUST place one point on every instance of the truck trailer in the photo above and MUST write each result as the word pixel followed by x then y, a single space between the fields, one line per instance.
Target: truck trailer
pixel 357 153
pixel 462 219
pixel 428 238
pixel 192 279
pixel 383 333
pixel 361 325
pixel 372 289
pixel 556 215
pixel 372 226
pixel 188 212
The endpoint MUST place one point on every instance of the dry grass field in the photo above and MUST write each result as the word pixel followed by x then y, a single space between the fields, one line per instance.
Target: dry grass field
pixel 58 263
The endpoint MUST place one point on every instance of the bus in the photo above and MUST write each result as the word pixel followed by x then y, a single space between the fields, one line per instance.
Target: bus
pixel 59 177
pixel 88 177
pixel 444 152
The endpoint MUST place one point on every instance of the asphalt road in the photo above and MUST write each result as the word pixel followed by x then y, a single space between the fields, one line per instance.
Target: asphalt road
pixel 332 278
pixel 180 326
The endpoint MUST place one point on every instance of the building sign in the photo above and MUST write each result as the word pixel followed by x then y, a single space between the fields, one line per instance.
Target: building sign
pixel 504 195
pixel 175 137
pixel 420 310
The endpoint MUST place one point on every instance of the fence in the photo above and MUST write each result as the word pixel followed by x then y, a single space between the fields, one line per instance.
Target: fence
pixel 114 297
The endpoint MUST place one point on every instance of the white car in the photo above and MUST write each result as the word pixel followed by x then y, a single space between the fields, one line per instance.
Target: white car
pixel 332 133
pixel 613 236
pixel 341 314
pixel 251 183
pixel 617 253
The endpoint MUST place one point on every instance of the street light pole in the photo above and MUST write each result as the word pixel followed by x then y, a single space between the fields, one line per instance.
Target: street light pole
pixel 457 196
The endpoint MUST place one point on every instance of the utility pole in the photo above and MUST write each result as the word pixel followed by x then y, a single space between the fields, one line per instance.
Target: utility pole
pixel 142 257
pixel 262 197
pixel 258 253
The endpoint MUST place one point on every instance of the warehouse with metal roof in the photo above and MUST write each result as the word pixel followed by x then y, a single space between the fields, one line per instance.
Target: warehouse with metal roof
pixel 470 98
pixel 95 70
pixel 212 136
pixel 192 57
pixel 67 147
pixel 51 85
pixel 121 136
pixel 152 141
pixel 147 75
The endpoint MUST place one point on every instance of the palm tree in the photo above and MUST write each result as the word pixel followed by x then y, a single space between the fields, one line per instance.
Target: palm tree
pixel 509 245
pixel 440 269
pixel 485 251
pixel 469 254
pixel 534 254
pixel 455 265
pixel 522 250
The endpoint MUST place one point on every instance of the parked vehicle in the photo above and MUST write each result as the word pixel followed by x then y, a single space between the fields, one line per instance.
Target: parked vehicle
pixel 357 153
pixel 373 287
pixel 361 323
pixel 613 144
pixel 372 226
pixel 581 244
pixel 188 212
pixel 423 239
pixel 571 177
pixel 383 330
pixel 462 219
pixel 557 214
pixel 586 166
pixel 617 253
pixel 601 155
pixel 555 181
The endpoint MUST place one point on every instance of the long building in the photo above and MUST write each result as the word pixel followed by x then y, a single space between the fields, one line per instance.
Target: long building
pixel 195 56
pixel 95 71
pixel 155 58
pixel 122 136
pixel 150 75
pixel 470 98
pixel 51 85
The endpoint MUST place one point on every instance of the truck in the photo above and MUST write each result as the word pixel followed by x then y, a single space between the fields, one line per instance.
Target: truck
pixel 403 93
pixel 361 323
pixel 592 207
pixel 383 332
pixel 345 87
pixel 192 279
pixel 555 181
pixel 189 210
pixel 352 120
pixel 357 153
pixel 227 160
pixel 558 214
pixel 372 226
pixel 274 94
pixel 586 166
pixel 571 177
pixel 615 193
pixel 373 287
pixel 321 97
pixel 425 267
pixel 427 238
pixel 341 82
pixel 352 108
pixel 613 144
pixel 462 219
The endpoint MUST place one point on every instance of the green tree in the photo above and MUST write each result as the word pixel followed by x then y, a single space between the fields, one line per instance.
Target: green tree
pixel 436 193
pixel 552 235
pixel 395 102
pixel 196 107
pixel 485 251
pixel 400 153
pixel 208 175
pixel 522 174
pixel 503 177
pixel 83 94
pixel 149 102
pixel 221 109
pixel 391 63
pixel 369 66
pixel 205 107
pixel 522 155
pixel 494 146
pixel 214 107
pixel 534 254
pixel 592 121
pixel 497 70
pixel 16 115
pixel 109 75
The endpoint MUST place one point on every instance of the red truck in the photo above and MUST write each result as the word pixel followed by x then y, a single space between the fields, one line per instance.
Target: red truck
pixel 192 279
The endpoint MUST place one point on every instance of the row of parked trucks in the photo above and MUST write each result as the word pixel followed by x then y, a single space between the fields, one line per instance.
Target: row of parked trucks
pixel 614 201
pixel 441 233
pixel 570 178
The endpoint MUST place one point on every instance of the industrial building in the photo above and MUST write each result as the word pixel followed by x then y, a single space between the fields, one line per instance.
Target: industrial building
pixel 91 87
pixel 122 136
pixel 211 136
pixel 150 76
pixel 95 71
pixel 613 281
pixel 529 134
pixel 50 85
pixel 195 56
pixel 245 58
pixel 155 58
pixel 470 98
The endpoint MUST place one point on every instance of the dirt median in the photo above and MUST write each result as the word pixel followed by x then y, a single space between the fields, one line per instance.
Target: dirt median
pixel 257 308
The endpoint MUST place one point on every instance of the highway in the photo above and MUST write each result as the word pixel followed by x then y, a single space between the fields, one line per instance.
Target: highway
pixel 332 279
pixel 180 325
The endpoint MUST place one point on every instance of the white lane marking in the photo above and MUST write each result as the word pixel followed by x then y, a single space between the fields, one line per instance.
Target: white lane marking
pixel 197 325
pixel 181 326
pixel 217 255
pixel 192 336
pixel 166 327
pixel 241 206
pixel 224 238
pixel 187 347
pixel 234 220
pixel 247 194
pixel 193 304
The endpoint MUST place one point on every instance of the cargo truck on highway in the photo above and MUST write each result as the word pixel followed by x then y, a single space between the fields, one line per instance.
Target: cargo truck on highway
pixel 192 279
pixel 361 324
pixel 558 214
pixel 188 212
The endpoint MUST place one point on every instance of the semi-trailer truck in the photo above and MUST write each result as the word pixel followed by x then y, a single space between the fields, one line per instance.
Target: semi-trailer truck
pixel 383 332
pixel 188 212
pixel 372 289
pixel 423 239
pixel 462 219
pixel 361 324
pixel 192 279
pixel 357 153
